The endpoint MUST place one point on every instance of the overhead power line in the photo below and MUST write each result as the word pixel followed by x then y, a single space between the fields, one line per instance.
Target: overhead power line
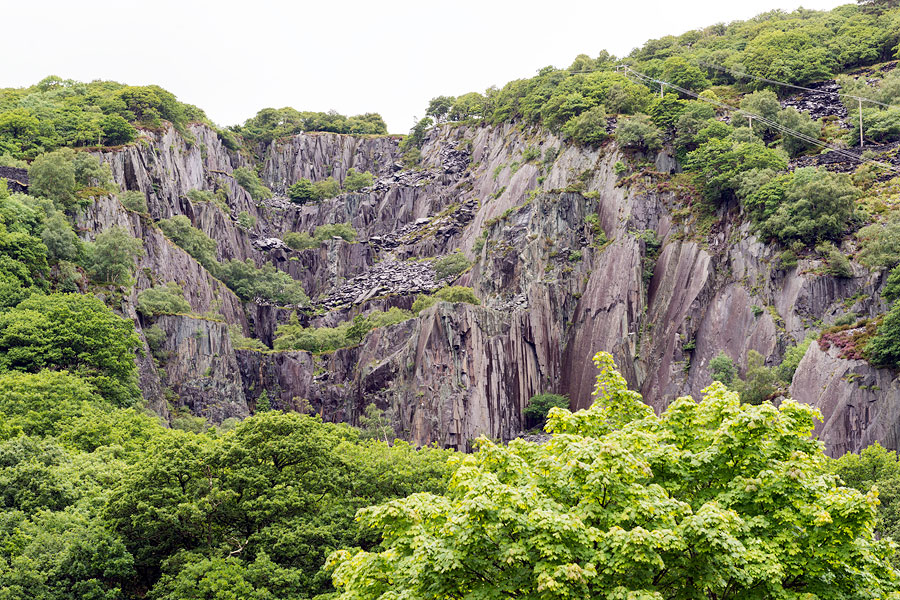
pixel 771 123
pixel 742 75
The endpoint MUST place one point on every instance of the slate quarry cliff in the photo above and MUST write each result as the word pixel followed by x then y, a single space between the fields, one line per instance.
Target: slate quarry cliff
pixel 642 280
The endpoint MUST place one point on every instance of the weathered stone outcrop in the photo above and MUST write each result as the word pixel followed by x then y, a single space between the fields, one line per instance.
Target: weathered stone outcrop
pixel 568 257
pixel 860 404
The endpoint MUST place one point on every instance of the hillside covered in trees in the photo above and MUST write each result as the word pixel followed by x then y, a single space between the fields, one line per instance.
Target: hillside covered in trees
pixel 301 358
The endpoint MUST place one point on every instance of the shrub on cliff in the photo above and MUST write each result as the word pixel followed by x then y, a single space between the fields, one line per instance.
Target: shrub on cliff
pixel 191 240
pixel 266 283
pixel 709 499
pixel 588 128
pixel 817 206
pixel 719 164
pixel 355 181
pixel 111 256
pixel 134 200
pixel 249 180
pixel 165 299
pixel 452 294
pixel 638 132
pixel 450 265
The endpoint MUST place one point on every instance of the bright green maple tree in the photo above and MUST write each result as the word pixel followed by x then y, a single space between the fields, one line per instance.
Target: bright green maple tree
pixel 715 499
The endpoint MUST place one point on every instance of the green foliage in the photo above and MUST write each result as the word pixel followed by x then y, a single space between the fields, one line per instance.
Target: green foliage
pixel 588 128
pixel 302 241
pixel 111 256
pixel 165 299
pixel 355 181
pixel 792 357
pixel 277 490
pixel 620 168
pixel 836 264
pixel 817 206
pixel 57 112
pixel 61 240
pixel 665 111
pixel 720 163
pixel 52 176
pixel 412 144
pixel 802 122
pixel 249 180
pixel 245 220
pixel 723 369
pixel 240 342
pixel 270 124
pixel 879 244
pixel 450 266
pixel 452 294
pixel 706 500
pixel 293 336
pixel 191 240
pixel 883 349
pixel 73 332
pixel 538 406
pixel 375 425
pixel 219 198
pixel 876 468
pixel 304 190
pixel 758 382
pixel 265 283
pixel 439 107
pixel 638 132
pixel 134 200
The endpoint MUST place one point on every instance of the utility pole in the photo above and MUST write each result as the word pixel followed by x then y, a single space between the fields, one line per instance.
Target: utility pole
pixel 862 142
pixel 750 118
pixel 662 86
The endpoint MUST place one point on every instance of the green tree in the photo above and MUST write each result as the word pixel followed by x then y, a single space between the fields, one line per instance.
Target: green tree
pixel 817 206
pixel 165 299
pixel 439 107
pixel 249 180
pixel 710 499
pixel 588 128
pixel 802 122
pixel 77 333
pixel 539 405
pixel 883 349
pixel 638 132
pixel 61 241
pixel 719 165
pixel 111 256
pixel 355 181
pixel 875 467
pixel 302 192
pixel 450 265
pixel 250 282
pixel 52 176
pixel 191 240
pixel 134 200
pixel 758 382
pixel 723 369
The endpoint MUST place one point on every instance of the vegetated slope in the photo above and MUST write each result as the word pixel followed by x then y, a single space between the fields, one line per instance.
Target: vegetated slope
pixel 301 271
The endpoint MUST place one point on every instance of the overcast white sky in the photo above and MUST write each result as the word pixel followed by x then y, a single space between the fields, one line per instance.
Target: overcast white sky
pixel 390 56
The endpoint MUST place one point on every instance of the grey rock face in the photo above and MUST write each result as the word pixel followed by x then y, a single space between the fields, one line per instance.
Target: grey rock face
pixel 568 258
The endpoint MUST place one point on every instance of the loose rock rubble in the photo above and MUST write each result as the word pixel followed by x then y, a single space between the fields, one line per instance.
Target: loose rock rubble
pixel 386 277
pixel 821 103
